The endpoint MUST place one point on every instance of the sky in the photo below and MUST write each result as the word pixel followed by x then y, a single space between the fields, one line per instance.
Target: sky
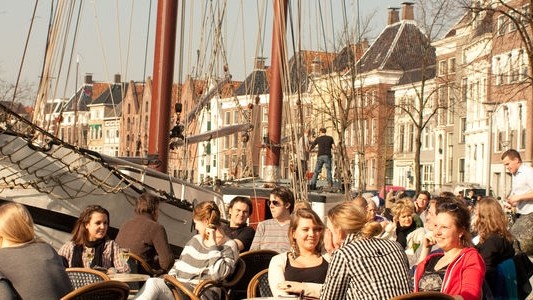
pixel 117 36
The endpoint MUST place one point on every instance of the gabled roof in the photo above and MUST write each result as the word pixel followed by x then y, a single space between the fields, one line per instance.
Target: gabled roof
pixel 400 47
pixel 299 74
pixel 112 96
pixel 348 55
pixel 257 83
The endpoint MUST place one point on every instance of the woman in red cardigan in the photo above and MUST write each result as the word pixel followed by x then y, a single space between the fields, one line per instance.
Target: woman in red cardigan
pixel 459 270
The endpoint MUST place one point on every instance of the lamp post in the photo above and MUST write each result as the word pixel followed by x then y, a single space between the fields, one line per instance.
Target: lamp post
pixel 489 158
pixel 490 112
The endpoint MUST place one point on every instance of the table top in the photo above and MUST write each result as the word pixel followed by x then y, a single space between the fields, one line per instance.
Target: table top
pixel 129 277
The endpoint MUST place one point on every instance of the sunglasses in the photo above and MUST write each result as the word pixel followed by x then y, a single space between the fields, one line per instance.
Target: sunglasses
pixel 449 207
pixel 276 203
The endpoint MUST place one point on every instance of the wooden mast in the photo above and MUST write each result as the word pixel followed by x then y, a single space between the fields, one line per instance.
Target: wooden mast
pixel 163 76
pixel 276 93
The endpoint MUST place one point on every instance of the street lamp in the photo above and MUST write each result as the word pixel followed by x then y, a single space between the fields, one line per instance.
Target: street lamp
pixel 490 111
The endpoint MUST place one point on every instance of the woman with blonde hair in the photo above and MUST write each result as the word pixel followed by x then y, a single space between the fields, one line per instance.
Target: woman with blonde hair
pixel 495 241
pixel 363 266
pixel 90 246
pixel 303 269
pixel 210 254
pixel 29 269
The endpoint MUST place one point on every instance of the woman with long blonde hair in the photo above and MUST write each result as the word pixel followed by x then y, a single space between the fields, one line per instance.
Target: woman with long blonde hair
pixel 363 266
pixel 29 268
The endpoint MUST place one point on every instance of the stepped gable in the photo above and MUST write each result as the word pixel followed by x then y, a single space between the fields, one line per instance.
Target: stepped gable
pixel 399 47
pixel 299 74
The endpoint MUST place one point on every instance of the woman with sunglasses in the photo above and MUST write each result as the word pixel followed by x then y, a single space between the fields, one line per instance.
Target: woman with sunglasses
pixel 459 270
pixel 90 246
pixel 362 266
pixel 302 270
pixel 495 241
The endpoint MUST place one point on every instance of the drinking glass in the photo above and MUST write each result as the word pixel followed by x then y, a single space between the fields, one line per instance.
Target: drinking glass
pixel 125 255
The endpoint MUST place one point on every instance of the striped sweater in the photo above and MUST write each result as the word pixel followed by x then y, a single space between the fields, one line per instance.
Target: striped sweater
pixel 272 236
pixel 198 262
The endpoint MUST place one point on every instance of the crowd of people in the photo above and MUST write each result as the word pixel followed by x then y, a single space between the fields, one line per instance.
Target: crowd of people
pixel 359 250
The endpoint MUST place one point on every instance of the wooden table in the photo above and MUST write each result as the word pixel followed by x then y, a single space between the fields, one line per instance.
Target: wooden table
pixel 129 277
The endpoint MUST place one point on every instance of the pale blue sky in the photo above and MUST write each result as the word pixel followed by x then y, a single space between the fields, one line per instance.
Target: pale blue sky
pixel 104 34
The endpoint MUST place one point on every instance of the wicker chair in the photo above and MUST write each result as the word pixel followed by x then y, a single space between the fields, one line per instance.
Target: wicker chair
pixel 424 295
pixel 103 290
pixel 258 286
pixel 139 265
pixel 80 277
pixel 256 261
pixel 179 289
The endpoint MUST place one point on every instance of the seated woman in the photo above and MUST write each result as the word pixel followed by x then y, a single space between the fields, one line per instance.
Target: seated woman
pixel 404 229
pixel 90 246
pixel 495 241
pixel 208 255
pixel 459 270
pixel 29 269
pixel 363 266
pixel 303 269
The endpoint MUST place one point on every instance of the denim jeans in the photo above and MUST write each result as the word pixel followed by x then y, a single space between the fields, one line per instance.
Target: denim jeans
pixel 320 161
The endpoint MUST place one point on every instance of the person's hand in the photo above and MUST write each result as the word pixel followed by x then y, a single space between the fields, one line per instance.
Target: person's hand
pixel 211 233
pixel 513 200
pixel 291 286
pixel 328 242
pixel 429 239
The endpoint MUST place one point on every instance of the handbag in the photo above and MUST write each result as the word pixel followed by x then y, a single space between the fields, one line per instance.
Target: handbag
pixel 524 271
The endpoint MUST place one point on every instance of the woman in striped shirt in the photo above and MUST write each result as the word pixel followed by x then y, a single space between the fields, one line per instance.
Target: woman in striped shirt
pixel 363 267
pixel 208 255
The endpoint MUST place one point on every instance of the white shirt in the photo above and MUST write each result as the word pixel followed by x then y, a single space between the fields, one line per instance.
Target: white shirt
pixel 522 182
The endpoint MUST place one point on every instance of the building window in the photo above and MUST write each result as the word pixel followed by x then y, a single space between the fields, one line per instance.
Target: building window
pixel 502 24
pixel 410 138
pixel 235 140
pixel 227 118
pixel 451 65
pixel 461 170
pixel 513 17
pixel 236 117
pixel 499 140
pixel 464 89
pixel 265 114
pixel 402 139
pixel 373 132
pixel 442 67
pixel 462 130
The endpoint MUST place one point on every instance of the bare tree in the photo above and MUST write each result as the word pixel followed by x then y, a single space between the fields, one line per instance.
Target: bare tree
pixel 433 99
pixel 512 23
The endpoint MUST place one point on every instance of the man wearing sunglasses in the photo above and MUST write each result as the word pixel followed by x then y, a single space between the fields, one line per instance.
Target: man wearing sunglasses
pixel 521 197
pixel 272 234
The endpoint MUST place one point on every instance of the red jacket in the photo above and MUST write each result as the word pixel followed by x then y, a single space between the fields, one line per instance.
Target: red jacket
pixel 464 276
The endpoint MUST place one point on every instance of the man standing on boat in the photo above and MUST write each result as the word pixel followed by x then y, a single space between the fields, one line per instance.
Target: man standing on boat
pixel 325 145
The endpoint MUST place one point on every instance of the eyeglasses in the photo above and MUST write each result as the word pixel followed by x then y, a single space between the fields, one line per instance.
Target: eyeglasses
pixel 276 203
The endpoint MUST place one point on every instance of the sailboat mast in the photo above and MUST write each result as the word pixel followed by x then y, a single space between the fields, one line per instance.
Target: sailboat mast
pixel 276 92
pixel 163 76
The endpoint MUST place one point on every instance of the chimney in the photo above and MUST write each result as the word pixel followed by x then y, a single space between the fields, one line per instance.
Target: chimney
pixel 88 78
pixel 316 66
pixel 259 63
pixel 407 11
pixel 117 78
pixel 394 16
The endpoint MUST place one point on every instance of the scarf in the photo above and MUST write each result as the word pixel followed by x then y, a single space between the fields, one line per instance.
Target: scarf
pixel 402 232
pixel 98 246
